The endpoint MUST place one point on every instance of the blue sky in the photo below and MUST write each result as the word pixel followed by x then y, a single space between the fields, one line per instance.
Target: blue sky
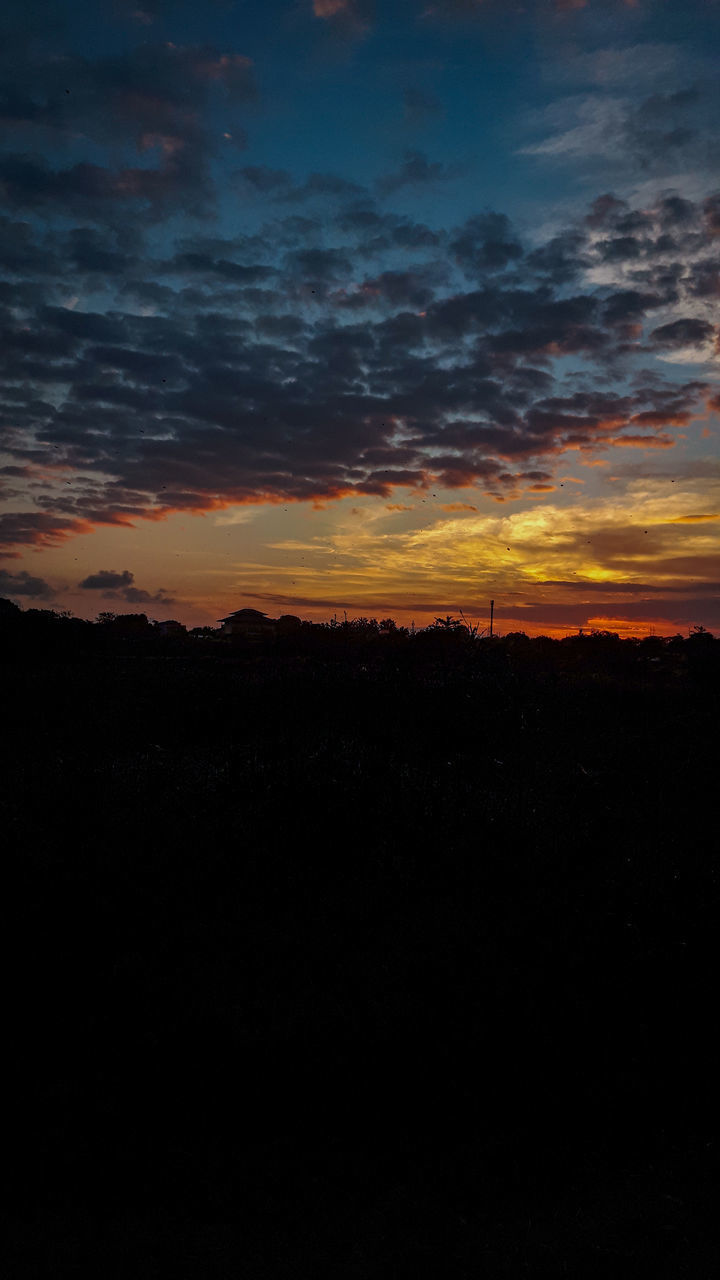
pixel 325 304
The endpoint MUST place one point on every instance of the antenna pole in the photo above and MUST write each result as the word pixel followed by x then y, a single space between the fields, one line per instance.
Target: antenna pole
pixel 492 610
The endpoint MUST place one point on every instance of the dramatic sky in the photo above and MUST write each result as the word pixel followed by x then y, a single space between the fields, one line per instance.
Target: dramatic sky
pixel 392 307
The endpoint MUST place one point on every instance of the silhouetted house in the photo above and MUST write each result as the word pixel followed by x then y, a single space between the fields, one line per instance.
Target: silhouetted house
pixel 170 628
pixel 249 624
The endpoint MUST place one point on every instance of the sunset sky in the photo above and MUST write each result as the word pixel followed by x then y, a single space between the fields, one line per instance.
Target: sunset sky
pixel 391 308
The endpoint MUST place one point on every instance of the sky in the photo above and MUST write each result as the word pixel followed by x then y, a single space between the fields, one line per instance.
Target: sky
pixel 392 308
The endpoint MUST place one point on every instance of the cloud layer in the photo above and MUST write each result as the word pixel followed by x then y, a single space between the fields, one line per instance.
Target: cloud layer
pixel 349 352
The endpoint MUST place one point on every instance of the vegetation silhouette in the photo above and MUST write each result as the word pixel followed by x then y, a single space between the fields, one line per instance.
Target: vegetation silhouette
pixel 357 949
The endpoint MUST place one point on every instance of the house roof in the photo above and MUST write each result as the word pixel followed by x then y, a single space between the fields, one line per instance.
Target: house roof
pixel 246 615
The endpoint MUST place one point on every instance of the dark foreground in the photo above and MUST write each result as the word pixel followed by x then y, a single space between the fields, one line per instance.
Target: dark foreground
pixel 341 969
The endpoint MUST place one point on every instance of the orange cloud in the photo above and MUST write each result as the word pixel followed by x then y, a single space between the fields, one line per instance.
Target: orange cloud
pixel 653 418
pixel 695 519
pixel 38 530
pixel 640 442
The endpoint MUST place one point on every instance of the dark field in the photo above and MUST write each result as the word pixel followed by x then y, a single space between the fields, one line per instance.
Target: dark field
pixel 371 963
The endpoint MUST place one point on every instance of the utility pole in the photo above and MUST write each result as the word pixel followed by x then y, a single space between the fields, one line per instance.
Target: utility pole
pixel 492 610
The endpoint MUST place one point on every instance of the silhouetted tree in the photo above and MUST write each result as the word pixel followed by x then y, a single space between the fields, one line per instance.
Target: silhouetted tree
pixel 701 636
pixel 8 609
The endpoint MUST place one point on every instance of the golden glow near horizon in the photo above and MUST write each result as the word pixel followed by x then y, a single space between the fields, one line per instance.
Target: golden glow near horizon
pixel 551 562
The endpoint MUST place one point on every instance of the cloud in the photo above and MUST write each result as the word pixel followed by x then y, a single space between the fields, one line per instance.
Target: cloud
pixel 413 289
pixel 646 65
pixel 711 209
pixel 621 557
pixel 134 595
pixel 107 580
pixel 38 529
pixel 119 586
pixel 683 333
pixel 623 131
pixel 149 105
pixel 24 584
pixel 701 518
pixel 625 616
pixel 417 170
pixel 486 243
pixel 220 388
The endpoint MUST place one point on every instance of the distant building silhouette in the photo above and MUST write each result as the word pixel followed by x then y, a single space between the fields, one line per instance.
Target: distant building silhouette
pixel 250 624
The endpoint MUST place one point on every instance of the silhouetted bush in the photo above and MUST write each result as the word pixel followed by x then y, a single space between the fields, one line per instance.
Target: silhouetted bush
pixel 358 908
